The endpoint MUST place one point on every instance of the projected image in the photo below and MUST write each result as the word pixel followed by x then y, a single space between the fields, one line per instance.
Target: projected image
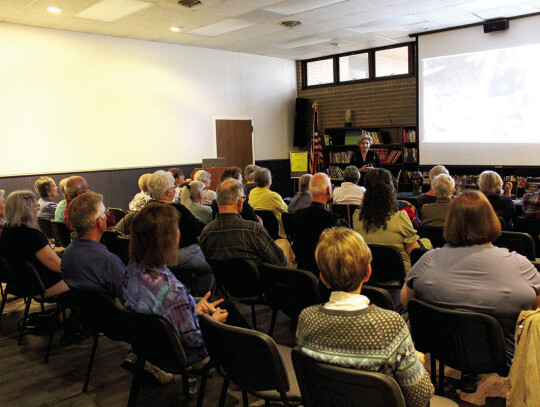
pixel 483 97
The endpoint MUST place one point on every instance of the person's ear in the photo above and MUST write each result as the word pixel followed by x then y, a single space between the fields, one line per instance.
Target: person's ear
pixel 368 274
pixel 324 281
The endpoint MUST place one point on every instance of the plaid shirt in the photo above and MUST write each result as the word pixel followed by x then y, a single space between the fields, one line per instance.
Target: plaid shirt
pixel 229 236
pixel 531 205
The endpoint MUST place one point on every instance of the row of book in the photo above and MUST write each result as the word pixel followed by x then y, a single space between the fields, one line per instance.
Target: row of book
pixel 409 136
pixel 375 135
pixel 410 155
pixel 334 172
pixel 388 156
pixel 340 157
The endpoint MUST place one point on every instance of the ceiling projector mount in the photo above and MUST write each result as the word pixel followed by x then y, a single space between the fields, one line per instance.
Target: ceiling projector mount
pixel 189 3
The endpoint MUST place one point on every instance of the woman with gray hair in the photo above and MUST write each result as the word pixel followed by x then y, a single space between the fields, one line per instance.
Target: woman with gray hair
pixel 47 190
pixel 434 214
pixel 302 199
pixel 491 185
pixel 22 240
pixel 349 193
pixel 193 195
pixel 206 178
pixel 365 159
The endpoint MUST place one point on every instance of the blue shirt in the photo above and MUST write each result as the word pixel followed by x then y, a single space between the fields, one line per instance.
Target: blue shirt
pixel 88 265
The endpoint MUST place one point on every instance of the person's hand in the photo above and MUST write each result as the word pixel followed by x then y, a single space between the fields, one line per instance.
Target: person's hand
pixel 205 307
pixel 508 188
pixel 366 168
pixel 220 315
pixel 259 220
pixel 421 356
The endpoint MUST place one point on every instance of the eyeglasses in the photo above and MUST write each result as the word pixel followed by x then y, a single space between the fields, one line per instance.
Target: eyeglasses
pixel 105 213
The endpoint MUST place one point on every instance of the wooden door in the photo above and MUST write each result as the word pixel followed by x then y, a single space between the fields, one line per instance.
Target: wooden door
pixel 234 141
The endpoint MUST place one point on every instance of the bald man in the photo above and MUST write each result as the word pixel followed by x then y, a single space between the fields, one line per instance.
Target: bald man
pixel 311 221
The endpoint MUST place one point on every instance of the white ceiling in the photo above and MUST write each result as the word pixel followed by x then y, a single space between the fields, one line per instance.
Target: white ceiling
pixel 252 26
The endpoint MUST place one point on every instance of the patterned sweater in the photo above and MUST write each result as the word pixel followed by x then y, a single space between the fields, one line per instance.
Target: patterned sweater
pixel 371 339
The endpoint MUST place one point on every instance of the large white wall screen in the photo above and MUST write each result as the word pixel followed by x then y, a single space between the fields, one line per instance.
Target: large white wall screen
pixel 72 102
pixel 479 96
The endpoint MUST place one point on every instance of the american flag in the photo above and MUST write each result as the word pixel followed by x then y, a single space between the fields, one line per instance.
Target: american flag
pixel 316 161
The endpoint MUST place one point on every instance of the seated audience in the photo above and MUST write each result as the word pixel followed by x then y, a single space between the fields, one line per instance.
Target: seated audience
pixel 347 331
pixel 470 274
pixel 434 214
pixel 380 222
pixel 531 205
pixel 349 192
pixel 205 177
pixel 247 212
pixel 47 190
pixel 87 265
pixel 406 206
pixel 229 236
pixel 141 198
pixel 59 212
pixel 2 210
pixel 310 222
pixel 248 175
pixel 429 196
pixel 262 199
pixel 302 199
pixel 193 195
pixel 22 240
pixel 491 184
pixel 179 181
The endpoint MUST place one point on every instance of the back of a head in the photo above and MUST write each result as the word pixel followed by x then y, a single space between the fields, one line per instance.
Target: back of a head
pixel 43 186
pixel 249 171
pixel 83 212
pixel 490 183
pixel 376 177
pixel 201 175
pixel 159 182
pixel 319 184
pixel 154 235
pixel 143 182
pixel 176 172
pixel 342 257
pixel 62 186
pixel 75 185
pixel 380 199
pixel 303 183
pixel 443 185
pixel 190 192
pixel 231 172
pixel 262 177
pixel 438 169
pixel 351 174
pixel 229 192
pixel 20 209
pixel 471 220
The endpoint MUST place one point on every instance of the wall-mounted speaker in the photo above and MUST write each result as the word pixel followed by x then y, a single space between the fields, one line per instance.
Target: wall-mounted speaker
pixel 496 25
pixel 300 123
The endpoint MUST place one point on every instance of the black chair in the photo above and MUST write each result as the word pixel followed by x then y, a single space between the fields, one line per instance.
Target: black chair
pixel 252 360
pixel 519 242
pixel 7 278
pixel 416 254
pixel 345 211
pixel 324 385
pixel 288 290
pixel 62 233
pixel 46 227
pixel 270 223
pixel 240 278
pixel 466 341
pixel 531 227
pixel 289 226
pixel 381 298
pixel 117 244
pixel 433 233
pixel 117 213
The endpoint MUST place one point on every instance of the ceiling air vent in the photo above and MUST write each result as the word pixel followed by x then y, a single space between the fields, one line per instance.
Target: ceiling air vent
pixel 290 24
pixel 189 3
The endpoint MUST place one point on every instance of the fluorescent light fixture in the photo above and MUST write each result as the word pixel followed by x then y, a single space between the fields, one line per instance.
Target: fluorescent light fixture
pixel 225 26
pixel 176 29
pixel 111 10
pixel 299 6
pixel 302 42
pixel 54 9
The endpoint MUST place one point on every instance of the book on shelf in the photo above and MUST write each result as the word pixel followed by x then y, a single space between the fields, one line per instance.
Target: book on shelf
pixel 334 172
pixel 375 135
pixel 410 155
pixel 409 136
pixel 382 153
pixel 340 157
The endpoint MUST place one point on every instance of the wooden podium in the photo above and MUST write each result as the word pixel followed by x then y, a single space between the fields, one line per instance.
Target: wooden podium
pixel 214 172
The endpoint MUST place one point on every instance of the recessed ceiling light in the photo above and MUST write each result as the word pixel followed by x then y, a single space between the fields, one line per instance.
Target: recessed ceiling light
pixel 176 29
pixel 54 9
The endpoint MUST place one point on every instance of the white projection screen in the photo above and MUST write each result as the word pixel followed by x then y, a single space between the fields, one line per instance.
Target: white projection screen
pixel 479 96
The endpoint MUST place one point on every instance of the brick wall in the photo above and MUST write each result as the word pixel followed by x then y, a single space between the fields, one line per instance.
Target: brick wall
pixel 377 103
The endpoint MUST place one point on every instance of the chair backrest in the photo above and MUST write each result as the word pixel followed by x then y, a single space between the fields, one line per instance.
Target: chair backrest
pixel 46 227
pixel 519 242
pixel 117 214
pixel 381 298
pixel 416 254
pixel 62 233
pixel 117 244
pixel 324 385
pixel 466 341
pixel 23 275
pixel 289 225
pixel 239 277
pixel 6 274
pixel 290 290
pixel 345 211
pixel 387 266
pixel 249 358
pixel 270 223
pixel 433 233
pixel 531 227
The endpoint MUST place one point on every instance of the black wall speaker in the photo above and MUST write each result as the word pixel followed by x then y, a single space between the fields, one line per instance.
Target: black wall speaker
pixel 300 123
pixel 496 25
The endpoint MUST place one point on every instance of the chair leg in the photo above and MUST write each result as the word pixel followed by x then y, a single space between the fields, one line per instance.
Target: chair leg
pixel 223 395
pixel 441 379
pixel 51 337
pixel 202 388
pixel 91 362
pixel 137 379
pixel 433 370
pixel 273 322
pixel 245 399
pixel 185 386
pixel 25 317
pixel 253 316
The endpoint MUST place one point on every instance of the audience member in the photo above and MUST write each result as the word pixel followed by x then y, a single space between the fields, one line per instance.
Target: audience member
pixel 380 222
pixel 248 175
pixel 229 236
pixel 141 198
pixel 262 199
pixel 47 190
pixel 347 331
pixel 429 196
pixel 471 274
pixel 302 199
pixel 179 181
pixel 349 193
pixel 193 195
pixel 531 205
pixel 87 265
pixel 406 206
pixel 2 211
pixel 310 222
pixel 59 212
pixel 247 211
pixel 206 179
pixel 22 240
pixel 434 214
pixel 491 184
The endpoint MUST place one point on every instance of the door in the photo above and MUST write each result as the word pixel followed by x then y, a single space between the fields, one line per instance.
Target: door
pixel 234 141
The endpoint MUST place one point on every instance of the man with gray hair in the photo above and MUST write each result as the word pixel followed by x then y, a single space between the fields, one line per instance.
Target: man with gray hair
pixel 434 214
pixel 229 236
pixel 302 199
pixel 429 196
pixel 310 222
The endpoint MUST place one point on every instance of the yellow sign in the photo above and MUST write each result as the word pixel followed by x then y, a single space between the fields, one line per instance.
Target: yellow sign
pixel 299 163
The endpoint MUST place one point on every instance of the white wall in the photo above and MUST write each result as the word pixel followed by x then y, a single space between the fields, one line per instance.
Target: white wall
pixel 72 101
